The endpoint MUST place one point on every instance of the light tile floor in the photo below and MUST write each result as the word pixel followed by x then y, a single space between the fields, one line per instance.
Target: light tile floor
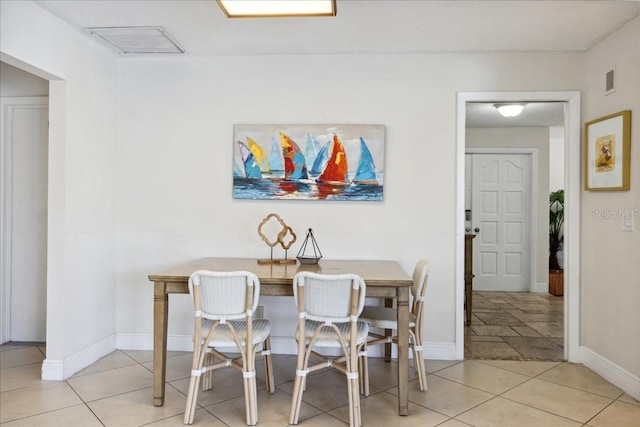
pixel 117 391
pixel 515 326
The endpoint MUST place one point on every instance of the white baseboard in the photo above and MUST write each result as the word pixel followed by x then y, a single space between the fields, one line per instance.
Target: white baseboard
pixel 58 370
pixel 283 345
pixel 611 372
pixel 135 342
pixel 541 288
pixel 279 345
pixel 430 350
pixel 145 342
pixel 439 351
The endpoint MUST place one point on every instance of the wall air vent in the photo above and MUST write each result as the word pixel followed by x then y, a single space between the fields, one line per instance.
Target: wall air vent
pixel 136 40
pixel 610 81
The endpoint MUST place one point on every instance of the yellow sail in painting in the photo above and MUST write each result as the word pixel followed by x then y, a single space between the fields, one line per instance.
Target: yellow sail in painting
pixel 259 154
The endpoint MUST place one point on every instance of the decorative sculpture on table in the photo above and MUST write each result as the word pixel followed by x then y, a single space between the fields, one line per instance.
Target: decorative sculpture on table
pixel 285 237
pixel 309 258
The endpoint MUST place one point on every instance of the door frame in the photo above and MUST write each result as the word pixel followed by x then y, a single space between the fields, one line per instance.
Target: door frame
pixel 572 164
pixel 533 213
pixel 7 105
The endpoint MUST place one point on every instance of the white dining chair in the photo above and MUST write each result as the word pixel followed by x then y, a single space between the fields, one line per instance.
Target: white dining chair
pixel 380 318
pixel 328 309
pixel 224 307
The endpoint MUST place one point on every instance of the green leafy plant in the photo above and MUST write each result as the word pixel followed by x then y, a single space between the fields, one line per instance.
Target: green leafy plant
pixel 556 221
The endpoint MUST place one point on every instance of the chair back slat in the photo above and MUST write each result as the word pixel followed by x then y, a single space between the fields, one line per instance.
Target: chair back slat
pixel 418 290
pixel 332 298
pixel 224 295
pixel 420 279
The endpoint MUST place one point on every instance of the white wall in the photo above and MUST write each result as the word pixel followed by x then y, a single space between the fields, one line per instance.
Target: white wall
pixel 81 289
pixel 556 158
pixel 175 178
pixel 610 297
pixel 15 82
pixel 525 137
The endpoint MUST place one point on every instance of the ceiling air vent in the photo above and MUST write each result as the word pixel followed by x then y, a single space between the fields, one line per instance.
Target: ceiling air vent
pixel 136 40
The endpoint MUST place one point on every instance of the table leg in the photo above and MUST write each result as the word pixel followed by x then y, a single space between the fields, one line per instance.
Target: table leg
pixel 388 302
pixel 160 316
pixel 403 350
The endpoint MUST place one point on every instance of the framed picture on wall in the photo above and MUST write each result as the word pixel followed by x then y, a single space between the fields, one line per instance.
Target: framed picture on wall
pixel 308 162
pixel 607 152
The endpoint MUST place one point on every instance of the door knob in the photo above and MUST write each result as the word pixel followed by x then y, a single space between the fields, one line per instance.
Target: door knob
pixel 477 230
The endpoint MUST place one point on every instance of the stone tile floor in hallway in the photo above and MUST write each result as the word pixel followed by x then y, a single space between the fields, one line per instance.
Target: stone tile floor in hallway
pixel 117 391
pixel 515 326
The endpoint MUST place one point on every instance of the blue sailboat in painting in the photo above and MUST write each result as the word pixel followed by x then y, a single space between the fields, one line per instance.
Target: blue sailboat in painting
pixel 321 159
pixel 366 172
pixel 311 149
pixel 275 156
pixel 251 168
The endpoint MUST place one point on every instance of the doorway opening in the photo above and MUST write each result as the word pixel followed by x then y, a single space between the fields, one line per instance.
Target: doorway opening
pixel 24 205
pixel 504 319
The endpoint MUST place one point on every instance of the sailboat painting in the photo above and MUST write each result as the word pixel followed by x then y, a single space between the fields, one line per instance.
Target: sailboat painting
pixel 309 162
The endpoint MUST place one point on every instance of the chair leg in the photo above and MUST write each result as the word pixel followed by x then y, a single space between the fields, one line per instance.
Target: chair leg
pixel 352 421
pixel 268 367
pixel 418 360
pixel 353 361
pixel 194 385
pixel 364 371
pixel 353 390
pixel 296 399
pixel 192 397
pixel 254 398
pixel 207 380
pixel 356 400
pixel 250 393
pixel 422 372
pixel 247 400
pixel 299 384
pixel 252 407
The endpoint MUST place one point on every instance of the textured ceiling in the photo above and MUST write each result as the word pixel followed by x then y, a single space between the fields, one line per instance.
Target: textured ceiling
pixel 375 27
pixel 366 26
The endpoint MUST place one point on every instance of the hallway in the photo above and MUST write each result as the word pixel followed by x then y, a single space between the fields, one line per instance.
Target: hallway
pixel 515 326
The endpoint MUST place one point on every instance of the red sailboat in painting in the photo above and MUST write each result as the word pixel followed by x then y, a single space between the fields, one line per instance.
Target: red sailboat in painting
pixel 335 173
pixel 294 162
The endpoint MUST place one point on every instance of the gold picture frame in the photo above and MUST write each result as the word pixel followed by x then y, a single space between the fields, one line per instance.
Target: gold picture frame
pixel 607 160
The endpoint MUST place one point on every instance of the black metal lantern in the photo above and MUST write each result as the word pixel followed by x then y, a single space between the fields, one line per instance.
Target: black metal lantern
pixel 309 245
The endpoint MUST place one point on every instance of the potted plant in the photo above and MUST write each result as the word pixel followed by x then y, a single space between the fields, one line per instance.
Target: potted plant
pixel 556 238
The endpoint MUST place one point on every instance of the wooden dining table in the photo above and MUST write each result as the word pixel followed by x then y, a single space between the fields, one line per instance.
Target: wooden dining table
pixel 384 279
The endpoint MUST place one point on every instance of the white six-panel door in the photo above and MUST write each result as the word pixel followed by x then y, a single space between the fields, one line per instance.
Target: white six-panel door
pixel 501 193
pixel 24 148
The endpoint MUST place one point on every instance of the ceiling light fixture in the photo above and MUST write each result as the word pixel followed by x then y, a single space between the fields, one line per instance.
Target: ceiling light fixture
pixel 277 8
pixel 509 110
